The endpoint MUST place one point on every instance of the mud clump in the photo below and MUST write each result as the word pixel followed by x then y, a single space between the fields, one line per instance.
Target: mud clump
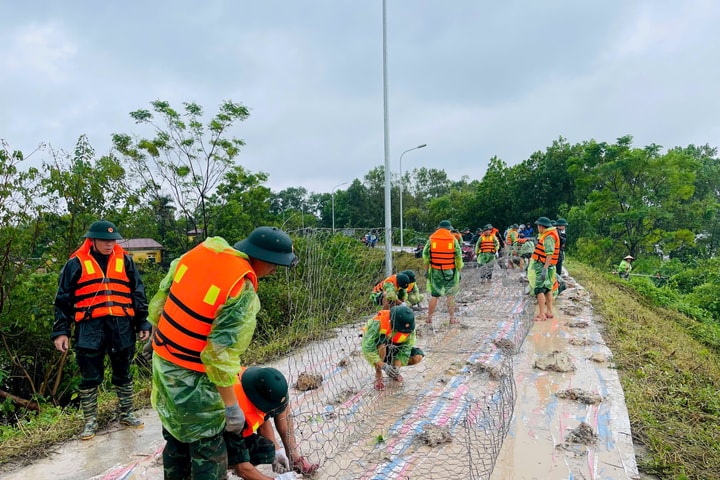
pixel 583 434
pixel 580 395
pixel 556 362
pixel 506 345
pixel 580 342
pixel 432 435
pixel 578 324
pixel 308 381
pixel 494 371
pixel 571 310
pixel 598 357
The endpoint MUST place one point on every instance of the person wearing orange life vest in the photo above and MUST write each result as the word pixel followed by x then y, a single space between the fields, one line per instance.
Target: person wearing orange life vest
pixel 101 296
pixel 513 246
pixel 262 393
pixel 390 291
pixel 541 271
pixel 204 317
pixel 486 250
pixel 442 257
pixel 389 343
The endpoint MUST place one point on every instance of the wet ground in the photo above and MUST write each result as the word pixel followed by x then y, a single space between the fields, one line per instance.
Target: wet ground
pixel 477 407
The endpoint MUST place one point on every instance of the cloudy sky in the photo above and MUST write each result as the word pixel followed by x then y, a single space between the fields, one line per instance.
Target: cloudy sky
pixel 470 78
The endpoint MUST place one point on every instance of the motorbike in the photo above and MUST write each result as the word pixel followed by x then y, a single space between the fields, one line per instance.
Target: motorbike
pixel 468 252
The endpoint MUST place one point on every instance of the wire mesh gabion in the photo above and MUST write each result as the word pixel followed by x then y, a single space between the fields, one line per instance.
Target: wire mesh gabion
pixel 449 416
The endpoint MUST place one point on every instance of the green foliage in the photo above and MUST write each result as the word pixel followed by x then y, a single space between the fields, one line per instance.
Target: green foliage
pixel 669 369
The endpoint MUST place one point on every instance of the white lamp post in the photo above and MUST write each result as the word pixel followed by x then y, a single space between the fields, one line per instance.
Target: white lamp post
pixel 333 204
pixel 402 243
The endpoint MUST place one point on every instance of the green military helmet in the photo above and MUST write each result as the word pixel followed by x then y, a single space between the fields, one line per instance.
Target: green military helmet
pixel 402 280
pixel 103 230
pixel 269 244
pixel 561 222
pixel 487 227
pixel 553 223
pixel 410 274
pixel 266 388
pixel 445 224
pixel 402 319
pixel 544 221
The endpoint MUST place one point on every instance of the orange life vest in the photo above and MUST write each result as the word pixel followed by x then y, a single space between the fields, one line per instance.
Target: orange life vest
pixel 539 253
pixel 511 237
pixel 383 316
pixel 381 285
pixel 204 280
pixel 254 417
pixel 98 293
pixel 458 237
pixel 487 244
pixel 442 249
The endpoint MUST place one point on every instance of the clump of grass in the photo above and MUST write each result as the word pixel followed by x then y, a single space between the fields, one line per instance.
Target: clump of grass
pixel 671 380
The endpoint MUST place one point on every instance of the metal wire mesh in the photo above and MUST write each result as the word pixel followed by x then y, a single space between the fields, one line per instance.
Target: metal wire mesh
pixel 449 416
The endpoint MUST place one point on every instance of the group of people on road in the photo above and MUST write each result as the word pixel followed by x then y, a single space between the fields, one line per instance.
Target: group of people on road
pixel 213 411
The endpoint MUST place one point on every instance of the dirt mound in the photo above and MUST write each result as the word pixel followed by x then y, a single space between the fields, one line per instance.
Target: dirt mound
pixel 556 361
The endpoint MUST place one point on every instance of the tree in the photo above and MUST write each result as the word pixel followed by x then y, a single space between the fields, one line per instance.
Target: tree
pixel 632 194
pixel 82 189
pixel 185 156
pixel 240 204
pixel 26 355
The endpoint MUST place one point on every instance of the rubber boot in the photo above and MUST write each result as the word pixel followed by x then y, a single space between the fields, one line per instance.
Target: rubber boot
pixel 88 401
pixel 125 404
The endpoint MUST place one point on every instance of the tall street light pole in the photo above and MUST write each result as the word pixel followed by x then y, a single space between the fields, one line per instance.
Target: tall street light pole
pixel 402 243
pixel 333 204
pixel 386 131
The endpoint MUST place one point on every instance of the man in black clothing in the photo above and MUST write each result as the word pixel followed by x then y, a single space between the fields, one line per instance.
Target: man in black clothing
pixel 101 293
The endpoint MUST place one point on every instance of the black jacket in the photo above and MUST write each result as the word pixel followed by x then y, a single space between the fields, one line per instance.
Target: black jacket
pixel 116 332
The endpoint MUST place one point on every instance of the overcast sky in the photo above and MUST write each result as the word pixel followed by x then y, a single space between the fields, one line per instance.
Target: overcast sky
pixel 471 78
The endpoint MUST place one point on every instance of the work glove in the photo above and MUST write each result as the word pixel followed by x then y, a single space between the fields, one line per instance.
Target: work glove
pixel 234 419
pixel 543 275
pixel 281 464
pixel 391 370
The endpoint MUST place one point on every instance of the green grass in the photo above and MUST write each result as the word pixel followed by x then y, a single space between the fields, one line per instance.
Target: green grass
pixel 670 372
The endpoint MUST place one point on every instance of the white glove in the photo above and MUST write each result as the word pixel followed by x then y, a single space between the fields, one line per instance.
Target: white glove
pixel 234 419
pixel 287 476
pixel 281 464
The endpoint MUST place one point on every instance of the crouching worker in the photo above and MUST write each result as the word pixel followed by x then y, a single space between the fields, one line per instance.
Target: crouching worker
pixel 262 393
pixel 389 343
pixel 390 291
pixel 413 295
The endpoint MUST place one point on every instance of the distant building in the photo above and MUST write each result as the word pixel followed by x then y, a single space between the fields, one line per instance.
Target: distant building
pixel 193 235
pixel 143 249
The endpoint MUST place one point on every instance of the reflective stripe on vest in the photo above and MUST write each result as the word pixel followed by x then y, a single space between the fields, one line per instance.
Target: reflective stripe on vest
pixel 487 244
pixel 254 417
pixel 442 249
pixel 203 281
pixel 539 253
pixel 98 293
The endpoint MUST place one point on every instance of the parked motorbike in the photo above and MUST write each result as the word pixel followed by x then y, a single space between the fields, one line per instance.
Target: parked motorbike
pixel 468 252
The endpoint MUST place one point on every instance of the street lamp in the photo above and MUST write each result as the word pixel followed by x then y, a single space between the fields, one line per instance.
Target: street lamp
pixel 333 204
pixel 402 243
